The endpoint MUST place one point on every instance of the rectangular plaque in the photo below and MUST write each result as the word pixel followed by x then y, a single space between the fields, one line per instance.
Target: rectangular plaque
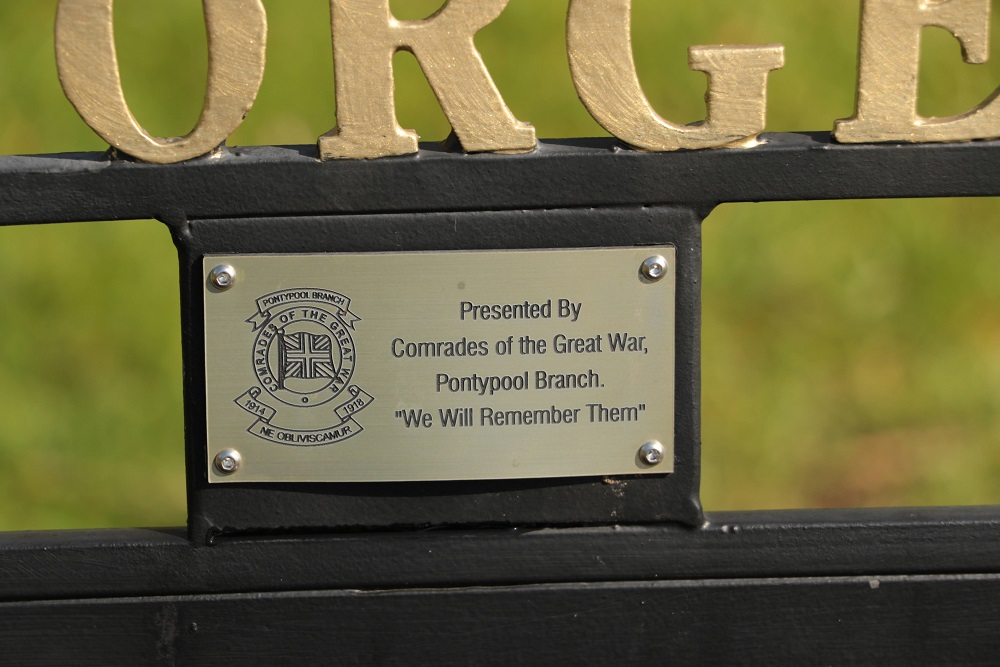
pixel 380 367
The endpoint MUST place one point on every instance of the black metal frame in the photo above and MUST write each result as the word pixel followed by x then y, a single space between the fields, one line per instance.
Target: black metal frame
pixel 231 508
pixel 530 571
pixel 273 181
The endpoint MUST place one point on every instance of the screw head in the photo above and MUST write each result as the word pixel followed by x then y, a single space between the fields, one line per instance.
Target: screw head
pixel 228 461
pixel 651 453
pixel 222 277
pixel 654 268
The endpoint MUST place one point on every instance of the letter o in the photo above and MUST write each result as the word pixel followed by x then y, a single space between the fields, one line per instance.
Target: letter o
pixel 88 69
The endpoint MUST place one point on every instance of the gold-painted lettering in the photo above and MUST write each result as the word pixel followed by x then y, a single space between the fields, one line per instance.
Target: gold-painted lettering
pixel 890 63
pixel 599 38
pixel 88 69
pixel 365 37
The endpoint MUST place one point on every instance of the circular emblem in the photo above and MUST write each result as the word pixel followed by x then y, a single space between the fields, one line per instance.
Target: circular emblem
pixel 304 356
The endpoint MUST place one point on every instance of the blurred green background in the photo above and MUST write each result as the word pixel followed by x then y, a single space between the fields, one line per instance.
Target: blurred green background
pixel 851 351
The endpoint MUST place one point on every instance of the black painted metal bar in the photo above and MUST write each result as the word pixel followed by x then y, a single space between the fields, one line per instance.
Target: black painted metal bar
pixel 830 621
pixel 904 587
pixel 285 181
pixel 802 543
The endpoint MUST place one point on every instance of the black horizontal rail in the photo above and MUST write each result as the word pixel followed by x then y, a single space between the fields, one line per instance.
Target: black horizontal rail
pixel 291 180
pixel 801 543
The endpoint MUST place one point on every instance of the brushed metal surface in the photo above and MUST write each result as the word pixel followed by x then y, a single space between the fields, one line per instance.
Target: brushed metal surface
pixel 393 367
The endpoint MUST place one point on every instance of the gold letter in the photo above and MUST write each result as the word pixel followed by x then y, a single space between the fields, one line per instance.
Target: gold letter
pixel 365 37
pixel 890 62
pixel 599 37
pixel 88 69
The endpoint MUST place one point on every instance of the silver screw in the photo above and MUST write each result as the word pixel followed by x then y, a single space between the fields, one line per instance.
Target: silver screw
pixel 222 277
pixel 228 461
pixel 651 453
pixel 654 268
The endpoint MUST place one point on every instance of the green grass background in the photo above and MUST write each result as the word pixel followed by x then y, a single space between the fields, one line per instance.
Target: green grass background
pixel 850 349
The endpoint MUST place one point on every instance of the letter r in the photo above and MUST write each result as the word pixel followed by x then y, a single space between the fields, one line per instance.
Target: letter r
pixel 365 37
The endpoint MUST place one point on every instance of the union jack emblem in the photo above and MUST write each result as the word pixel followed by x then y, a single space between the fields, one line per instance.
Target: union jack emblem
pixel 305 356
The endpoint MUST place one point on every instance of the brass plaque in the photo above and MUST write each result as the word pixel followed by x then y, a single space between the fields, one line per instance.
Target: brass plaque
pixel 440 365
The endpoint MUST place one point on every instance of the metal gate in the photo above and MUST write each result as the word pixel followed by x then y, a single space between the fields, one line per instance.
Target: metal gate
pixel 452 572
